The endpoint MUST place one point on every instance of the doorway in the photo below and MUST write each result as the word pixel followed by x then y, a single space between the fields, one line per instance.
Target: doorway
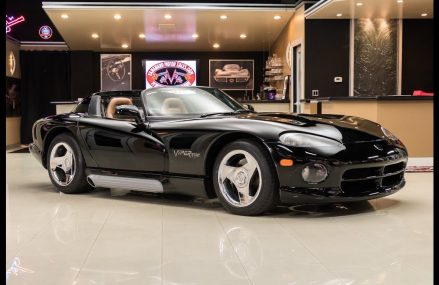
pixel 296 81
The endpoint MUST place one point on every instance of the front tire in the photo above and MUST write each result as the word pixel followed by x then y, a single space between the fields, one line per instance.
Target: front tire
pixel 244 179
pixel 66 166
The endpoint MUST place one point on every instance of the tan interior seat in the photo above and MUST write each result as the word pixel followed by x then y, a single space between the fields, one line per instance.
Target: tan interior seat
pixel 173 106
pixel 117 101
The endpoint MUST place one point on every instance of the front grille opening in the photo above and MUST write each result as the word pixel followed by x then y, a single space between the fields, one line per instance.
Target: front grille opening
pixel 394 167
pixel 392 180
pixel 357 188
pixel 359 173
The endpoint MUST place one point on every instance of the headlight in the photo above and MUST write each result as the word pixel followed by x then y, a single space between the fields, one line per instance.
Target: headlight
pixel 317 144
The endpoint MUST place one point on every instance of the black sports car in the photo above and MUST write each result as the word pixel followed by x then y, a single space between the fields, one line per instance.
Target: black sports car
pixel 201 142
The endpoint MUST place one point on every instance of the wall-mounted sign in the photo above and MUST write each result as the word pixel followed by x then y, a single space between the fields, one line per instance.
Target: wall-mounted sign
pixel 170 72
pixel 45 32
pixel 115 72
pixel 12 21
pixel 11 63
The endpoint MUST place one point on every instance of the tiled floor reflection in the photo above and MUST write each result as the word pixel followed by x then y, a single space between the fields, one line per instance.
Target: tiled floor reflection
pixel 122 238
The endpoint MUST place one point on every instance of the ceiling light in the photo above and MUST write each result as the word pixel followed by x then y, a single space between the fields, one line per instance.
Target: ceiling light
pixel 399 1
pixel 223 17
pixel 64 16
pixel 339 15
pixel 242 36
pixel 277 17
pixel 195 36
pixel 216 45
pixel 117 17
pixel 168 17
pixel 424 14
pixel 124 45
pixel 142 36
pixel 359 4
pixel 95 36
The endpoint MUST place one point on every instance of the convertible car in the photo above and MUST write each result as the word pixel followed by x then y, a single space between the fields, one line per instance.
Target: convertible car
pixel 201 142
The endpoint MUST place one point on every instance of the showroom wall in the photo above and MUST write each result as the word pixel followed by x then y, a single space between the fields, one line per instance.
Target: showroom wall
pixel 417 56
pixel 61 75
pixel 13 99
pixel 327 56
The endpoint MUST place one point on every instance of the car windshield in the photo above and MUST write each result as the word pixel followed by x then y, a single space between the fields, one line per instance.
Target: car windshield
pixel 175 101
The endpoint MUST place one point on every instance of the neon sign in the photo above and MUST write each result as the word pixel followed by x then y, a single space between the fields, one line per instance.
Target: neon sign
pixel 11 21
pixel 45 32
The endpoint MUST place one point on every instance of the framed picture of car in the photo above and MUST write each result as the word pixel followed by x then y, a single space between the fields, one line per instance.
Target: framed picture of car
pixel 231 74
pixel 115 72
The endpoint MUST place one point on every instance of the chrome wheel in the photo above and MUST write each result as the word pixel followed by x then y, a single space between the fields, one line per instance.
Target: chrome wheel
pixel 62 164
pixel 239 178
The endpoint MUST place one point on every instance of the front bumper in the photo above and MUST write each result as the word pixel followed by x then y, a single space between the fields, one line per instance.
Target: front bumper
pixel 36 152
pixel 361 172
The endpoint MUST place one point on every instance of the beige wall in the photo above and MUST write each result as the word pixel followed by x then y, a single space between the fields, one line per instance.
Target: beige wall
pixel 294 32
pixel 12 130
pixel 410 121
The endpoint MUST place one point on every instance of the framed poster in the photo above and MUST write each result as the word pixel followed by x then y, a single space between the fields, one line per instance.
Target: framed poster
pixel 170 73
pixel 231 74
pixel 115 72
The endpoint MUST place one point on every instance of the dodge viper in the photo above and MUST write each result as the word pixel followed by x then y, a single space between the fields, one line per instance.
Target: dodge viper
pixel 199 141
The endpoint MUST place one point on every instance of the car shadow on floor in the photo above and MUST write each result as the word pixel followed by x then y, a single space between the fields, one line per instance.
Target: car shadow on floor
pixel 283 211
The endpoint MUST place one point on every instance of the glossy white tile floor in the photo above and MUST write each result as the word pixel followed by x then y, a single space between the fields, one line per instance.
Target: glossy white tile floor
pixel 111 238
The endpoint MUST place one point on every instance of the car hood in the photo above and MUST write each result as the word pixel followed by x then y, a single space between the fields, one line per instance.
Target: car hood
pixel 345 129
pixel 269 126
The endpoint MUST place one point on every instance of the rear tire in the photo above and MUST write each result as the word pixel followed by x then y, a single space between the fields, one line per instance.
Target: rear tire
pixel 244 178
pixel 66 165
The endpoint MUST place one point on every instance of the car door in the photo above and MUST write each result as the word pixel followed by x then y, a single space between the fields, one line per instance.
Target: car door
pixel 122 144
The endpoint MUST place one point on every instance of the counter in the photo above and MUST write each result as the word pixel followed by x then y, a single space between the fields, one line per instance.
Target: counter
pixel 64 106
pixel 410 118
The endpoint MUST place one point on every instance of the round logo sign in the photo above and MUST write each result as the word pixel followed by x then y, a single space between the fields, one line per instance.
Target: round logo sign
pixel 45 32
pixel 170 73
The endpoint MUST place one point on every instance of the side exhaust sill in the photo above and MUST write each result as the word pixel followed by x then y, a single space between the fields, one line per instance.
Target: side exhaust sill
pixel 128 183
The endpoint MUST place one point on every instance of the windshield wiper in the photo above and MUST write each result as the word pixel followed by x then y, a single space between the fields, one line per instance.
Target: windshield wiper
pixel 240 111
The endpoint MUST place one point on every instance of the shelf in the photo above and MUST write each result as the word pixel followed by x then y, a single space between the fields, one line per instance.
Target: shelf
pixel 274 67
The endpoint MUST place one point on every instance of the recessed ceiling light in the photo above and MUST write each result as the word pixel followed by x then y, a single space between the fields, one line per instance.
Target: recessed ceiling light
pixel 95 36
pixel 399 1
pixel 223 17
pixel 195 36
pixel 216 45
pixel 424 14
pixel 277 17
pixel 142 36
pixel 359 4
pixel 339 15
pixel 117 17
pixel 64 16
pixel 168 17
pixel 242 36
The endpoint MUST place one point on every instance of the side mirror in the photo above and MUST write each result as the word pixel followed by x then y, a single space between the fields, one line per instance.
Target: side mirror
pixel 127 112
pixel 249 107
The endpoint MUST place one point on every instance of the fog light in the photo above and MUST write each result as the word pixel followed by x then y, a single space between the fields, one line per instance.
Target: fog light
pixel 314 173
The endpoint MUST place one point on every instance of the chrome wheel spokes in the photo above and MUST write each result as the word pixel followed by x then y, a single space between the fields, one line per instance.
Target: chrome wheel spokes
pixel 239 178
pixel 62 164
